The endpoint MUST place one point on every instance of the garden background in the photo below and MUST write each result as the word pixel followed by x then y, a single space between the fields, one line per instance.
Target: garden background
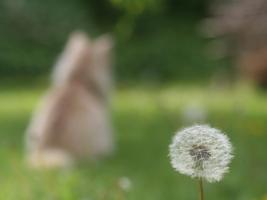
pixel 163 71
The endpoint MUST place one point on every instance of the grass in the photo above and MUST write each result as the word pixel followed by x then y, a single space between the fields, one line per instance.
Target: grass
pixel 144 119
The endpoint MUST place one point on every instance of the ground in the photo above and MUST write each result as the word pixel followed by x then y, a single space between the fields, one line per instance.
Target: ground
pixel 145 119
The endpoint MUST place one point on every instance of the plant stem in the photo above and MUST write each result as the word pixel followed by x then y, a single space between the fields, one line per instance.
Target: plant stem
pixel 201 191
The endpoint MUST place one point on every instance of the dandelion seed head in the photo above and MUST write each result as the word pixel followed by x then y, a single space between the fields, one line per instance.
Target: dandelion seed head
pixel 201 152
pixel 125 183
pixel 194 113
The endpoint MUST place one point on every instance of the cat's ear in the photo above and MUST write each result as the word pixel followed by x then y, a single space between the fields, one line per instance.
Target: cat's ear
pixel 77 50
pixel 103 44
pixel 78 42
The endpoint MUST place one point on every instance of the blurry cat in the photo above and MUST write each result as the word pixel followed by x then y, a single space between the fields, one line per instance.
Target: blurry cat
pixel 72 121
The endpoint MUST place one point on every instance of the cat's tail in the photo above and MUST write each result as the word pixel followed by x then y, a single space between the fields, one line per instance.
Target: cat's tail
pixel 49 159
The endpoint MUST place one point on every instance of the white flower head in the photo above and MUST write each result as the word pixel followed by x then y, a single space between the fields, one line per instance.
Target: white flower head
pixel 194 113
pixel 201 152
pixel 125 183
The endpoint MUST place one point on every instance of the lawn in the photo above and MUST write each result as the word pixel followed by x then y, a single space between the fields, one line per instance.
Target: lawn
pixel 144 118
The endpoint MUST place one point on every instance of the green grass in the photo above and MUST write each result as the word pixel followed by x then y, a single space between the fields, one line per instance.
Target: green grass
pixel 145 119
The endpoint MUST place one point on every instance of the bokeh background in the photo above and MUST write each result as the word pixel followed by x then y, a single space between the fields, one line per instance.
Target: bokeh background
pixel 167 74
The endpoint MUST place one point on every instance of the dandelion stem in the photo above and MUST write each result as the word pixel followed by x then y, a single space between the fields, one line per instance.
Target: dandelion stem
pixel 201 191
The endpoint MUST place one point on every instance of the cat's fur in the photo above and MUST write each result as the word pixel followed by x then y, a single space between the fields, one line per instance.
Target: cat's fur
pixel 72 120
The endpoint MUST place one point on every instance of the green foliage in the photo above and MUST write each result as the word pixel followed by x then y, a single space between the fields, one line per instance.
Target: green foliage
pixel 154 39
pixel 137 7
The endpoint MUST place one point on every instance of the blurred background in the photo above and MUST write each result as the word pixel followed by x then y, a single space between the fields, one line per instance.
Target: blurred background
pixel 176 63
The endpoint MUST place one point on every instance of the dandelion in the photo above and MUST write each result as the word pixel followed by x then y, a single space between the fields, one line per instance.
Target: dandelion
pixel 125 183
pixel 194 113
pixel 201 152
